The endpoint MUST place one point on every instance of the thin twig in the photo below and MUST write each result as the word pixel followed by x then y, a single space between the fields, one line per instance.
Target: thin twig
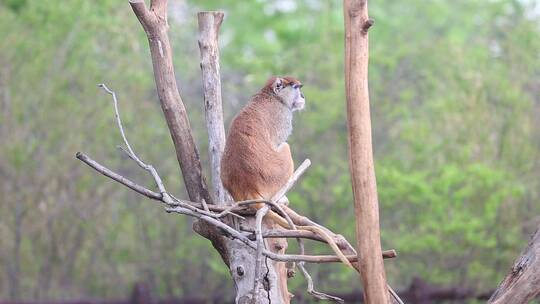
pixel 311 290
pixel 130 151
pixel 117 177
pixel 292 180
pixel 305 234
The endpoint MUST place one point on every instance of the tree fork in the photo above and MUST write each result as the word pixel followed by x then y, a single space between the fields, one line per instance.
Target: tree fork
pixel 155 24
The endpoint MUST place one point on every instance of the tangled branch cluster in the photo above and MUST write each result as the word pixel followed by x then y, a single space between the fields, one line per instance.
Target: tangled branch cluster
pixel 214 214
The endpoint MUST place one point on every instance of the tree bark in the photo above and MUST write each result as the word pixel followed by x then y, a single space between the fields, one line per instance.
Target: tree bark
pixel 236 255
pixel 209 24
pixel 522 284
pixel 361 164
pixel 242 260
pixel 154 22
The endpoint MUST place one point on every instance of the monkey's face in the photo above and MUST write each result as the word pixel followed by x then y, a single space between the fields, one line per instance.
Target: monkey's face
pixel 289 91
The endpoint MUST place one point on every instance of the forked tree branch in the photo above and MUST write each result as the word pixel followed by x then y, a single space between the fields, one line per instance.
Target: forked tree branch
pixel 242 209
pixel 192 209
pixel 195 209
pixel 154 22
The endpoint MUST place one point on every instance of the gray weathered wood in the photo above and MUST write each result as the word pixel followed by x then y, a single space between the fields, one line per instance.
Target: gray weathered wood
pixel 241 259
pixel 209 24
pixel 522 284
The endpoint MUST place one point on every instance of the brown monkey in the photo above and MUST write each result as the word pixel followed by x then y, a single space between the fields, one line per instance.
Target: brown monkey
pixel 257 160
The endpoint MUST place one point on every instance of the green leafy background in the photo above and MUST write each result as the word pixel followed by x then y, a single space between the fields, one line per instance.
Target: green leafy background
pixel 455 100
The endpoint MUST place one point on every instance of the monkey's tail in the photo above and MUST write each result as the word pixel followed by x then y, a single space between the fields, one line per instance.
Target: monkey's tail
pixel 330 242
pixel 283 223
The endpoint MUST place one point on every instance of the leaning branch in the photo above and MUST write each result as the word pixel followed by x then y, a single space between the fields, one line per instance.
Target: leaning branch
pixel 522 284
pixel 154 22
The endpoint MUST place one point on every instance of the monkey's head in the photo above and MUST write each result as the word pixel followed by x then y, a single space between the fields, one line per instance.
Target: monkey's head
pixel 287 89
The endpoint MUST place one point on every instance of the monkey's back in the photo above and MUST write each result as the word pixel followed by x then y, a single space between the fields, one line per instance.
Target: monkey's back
pixel 251 166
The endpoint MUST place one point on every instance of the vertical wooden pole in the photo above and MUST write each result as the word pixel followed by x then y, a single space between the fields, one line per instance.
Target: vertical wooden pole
pixel 357 24
pixel 241 261
pixel 209 24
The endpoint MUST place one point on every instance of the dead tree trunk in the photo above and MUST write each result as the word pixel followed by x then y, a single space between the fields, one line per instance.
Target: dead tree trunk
pixel 257 271
pixel 522 284
pixel 241 259
pixel 364 186
pixel 154 22
pixel 209 24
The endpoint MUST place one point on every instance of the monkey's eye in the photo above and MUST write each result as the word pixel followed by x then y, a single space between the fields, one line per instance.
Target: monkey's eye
pixel 297 86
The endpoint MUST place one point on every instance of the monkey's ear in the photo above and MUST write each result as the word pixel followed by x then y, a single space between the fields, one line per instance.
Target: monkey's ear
pixel 278 85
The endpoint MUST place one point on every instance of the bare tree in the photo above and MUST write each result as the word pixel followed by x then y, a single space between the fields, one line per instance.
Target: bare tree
pixel 252 261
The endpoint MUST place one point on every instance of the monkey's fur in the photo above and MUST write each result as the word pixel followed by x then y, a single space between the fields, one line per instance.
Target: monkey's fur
pixel 257 161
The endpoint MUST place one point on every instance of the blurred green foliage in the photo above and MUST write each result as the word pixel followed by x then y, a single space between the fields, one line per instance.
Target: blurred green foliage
pixel 456 119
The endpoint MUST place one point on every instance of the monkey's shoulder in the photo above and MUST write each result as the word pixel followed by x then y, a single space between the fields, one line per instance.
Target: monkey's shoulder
pixel 251 119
